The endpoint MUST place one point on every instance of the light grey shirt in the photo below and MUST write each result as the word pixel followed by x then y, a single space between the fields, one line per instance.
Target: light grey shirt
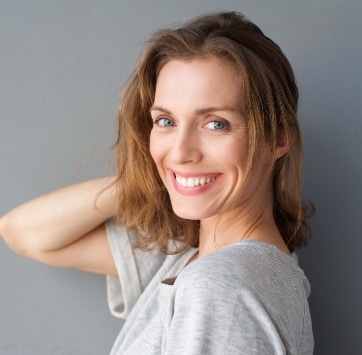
pixel 246 298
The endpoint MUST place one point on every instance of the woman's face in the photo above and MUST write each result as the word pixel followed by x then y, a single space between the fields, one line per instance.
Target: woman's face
pixel 199 139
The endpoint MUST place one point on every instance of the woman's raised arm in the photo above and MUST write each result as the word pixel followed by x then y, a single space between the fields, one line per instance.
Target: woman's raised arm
pixel 65 228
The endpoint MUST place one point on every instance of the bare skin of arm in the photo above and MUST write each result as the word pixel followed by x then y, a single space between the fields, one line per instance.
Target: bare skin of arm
pixel 65 228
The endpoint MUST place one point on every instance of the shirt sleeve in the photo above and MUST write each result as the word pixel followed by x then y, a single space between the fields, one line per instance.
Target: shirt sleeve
pixel 135 269
pixel 240 300
pixel 219 321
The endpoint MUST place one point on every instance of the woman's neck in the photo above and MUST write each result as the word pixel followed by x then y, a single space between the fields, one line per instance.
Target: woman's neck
pixel 237 225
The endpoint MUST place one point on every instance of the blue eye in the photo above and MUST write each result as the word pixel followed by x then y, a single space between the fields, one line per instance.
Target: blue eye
pixel 164 122
pixel 216 125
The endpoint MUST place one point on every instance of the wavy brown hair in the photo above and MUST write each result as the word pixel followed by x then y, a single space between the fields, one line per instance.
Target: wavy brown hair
pixel 271 97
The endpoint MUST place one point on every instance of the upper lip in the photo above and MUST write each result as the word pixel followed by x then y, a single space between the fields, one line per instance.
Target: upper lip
pixel 193 174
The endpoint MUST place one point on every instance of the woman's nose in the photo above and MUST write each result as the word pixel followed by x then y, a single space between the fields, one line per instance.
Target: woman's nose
pixel 186 147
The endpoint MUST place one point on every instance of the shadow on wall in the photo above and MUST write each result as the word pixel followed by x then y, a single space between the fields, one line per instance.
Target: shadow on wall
pixel 332 261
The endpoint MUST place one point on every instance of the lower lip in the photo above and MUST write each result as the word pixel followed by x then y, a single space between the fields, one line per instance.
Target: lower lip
pixel 193 191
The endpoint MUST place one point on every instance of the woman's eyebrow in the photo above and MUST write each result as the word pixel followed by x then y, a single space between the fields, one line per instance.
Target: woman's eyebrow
pixel 198 111
pixel 201 111
pixel 160 108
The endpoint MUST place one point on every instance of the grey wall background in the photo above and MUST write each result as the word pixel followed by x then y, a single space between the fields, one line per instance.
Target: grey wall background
pixel 62 64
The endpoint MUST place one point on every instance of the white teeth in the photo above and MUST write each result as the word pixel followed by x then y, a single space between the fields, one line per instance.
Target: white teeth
pixel 190 182
pixel 193 182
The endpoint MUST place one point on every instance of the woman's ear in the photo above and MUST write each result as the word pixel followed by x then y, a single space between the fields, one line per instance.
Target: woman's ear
pixel 284 143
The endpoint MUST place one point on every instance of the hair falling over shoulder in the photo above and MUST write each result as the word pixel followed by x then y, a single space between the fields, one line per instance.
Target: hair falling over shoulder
pixel 271 97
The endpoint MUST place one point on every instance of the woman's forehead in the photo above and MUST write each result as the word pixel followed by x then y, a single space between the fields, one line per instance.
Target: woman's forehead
pixel 205 83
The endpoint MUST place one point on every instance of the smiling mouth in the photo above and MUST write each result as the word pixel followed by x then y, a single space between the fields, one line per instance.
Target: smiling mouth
pixel 193 181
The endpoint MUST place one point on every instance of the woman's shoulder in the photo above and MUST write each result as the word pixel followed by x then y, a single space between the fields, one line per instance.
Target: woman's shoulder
pixel 247 288
pixel 249 266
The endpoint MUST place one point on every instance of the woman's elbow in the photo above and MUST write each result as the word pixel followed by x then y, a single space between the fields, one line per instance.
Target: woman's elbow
pixel 11 230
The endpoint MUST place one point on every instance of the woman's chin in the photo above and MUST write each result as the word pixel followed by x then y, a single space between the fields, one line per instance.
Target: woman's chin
pixel 190 212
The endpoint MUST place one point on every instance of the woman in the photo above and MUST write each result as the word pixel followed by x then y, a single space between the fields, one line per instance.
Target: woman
pixel 207 200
